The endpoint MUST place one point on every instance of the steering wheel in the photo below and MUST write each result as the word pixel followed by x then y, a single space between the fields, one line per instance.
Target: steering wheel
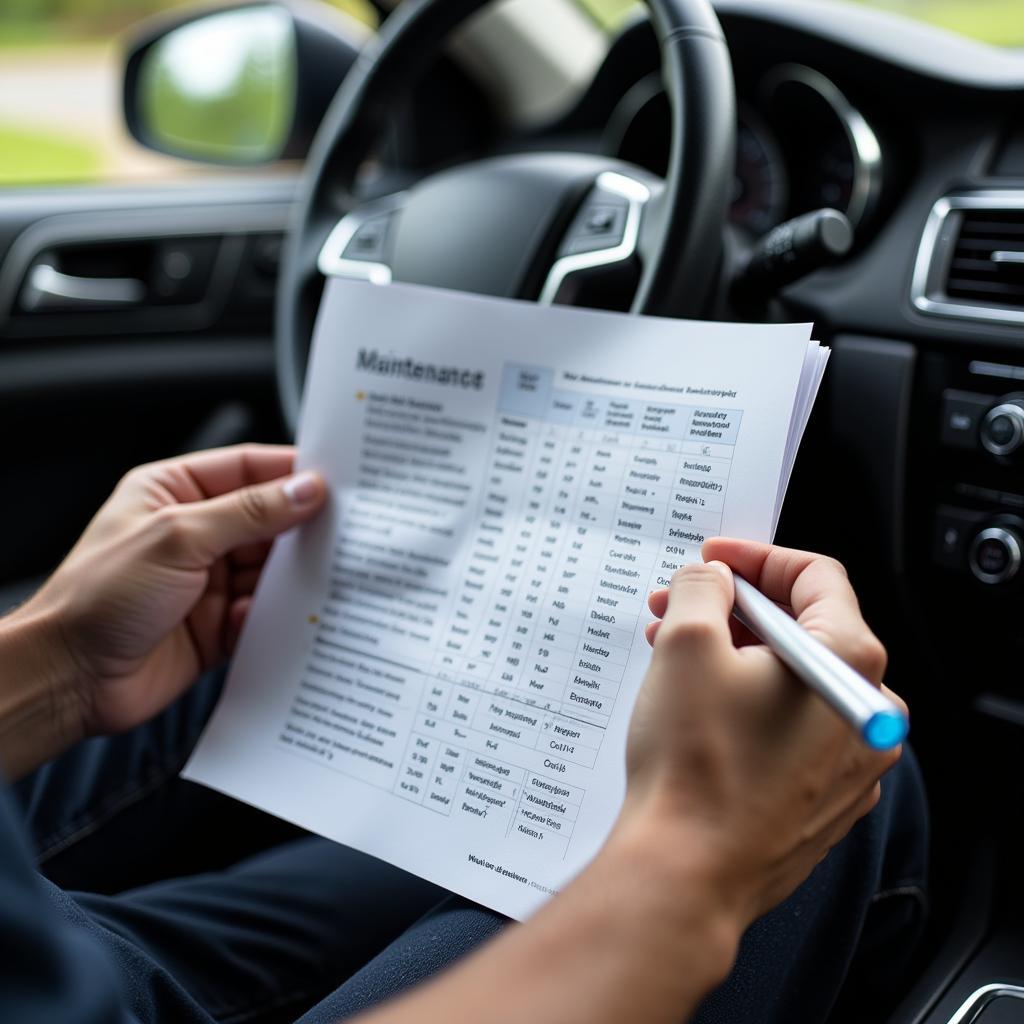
pixel 532 225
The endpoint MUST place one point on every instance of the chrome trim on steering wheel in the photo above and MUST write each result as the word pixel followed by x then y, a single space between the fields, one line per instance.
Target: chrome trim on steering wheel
pixel 637 195
pixel 331 263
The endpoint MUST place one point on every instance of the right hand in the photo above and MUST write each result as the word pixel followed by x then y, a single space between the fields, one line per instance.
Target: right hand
pixel 740 770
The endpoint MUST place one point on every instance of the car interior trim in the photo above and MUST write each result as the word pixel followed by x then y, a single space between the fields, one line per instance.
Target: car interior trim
pixel 980 998
pixel 115 225
pixel 67 369
pixel 864 144
pixel 637 194
pixel 47 286
pixel 935 250
pixel 983 368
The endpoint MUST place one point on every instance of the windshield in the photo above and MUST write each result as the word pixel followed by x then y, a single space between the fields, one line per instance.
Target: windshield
pixel 61 67
pixel 1000 22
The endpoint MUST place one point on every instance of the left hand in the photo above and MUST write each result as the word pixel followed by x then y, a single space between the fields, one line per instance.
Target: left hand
pixel 158 586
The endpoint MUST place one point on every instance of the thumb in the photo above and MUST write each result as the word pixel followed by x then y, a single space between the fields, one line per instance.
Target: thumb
pixel 696 621
pixel 258 512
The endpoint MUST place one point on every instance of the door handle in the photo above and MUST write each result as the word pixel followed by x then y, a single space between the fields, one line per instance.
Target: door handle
pixel 47 288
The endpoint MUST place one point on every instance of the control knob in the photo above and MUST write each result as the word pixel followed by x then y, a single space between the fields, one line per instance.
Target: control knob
pixel 1002 429
pixel 995 554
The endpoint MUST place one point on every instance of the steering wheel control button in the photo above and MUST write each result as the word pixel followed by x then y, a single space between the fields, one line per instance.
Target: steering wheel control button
pixel 601 220
pixel 1002 429
pixel 600 223
pixel 359 244
pixel 370 240
pixel 962 413
pixel 995 555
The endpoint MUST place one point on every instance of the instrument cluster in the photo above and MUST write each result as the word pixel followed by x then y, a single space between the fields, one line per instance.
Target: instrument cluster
pixel 800 145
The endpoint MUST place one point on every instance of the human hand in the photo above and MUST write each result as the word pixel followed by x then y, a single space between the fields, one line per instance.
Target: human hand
pixel 158 586
pixel 739 768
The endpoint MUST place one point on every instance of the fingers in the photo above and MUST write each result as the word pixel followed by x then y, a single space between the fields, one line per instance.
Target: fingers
pixel 657 601
pixel 243 581
pixel 837 830
pixel 818 590
pixel 221 470
pixel 235 621
pixel 250 556
pixel 773 570
pixel 206 530
pixel 651 631
pixel 896 699
pixel 696 620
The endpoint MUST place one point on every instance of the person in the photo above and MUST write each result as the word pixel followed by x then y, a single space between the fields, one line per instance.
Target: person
pixel 157 900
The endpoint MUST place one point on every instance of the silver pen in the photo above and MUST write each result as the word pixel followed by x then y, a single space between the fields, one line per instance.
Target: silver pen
pixel 878 721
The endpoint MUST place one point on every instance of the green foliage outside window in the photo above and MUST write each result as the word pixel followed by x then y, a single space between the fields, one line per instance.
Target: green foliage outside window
pixel 993 21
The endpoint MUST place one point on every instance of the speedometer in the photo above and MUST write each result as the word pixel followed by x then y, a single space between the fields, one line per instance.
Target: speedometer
pixel 833 155
pixel 760 188
pixel 639 131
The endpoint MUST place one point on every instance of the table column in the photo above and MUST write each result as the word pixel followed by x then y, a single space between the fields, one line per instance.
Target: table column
pixel 415 767
pixel 531 562
pixel 483 599
pixel 545 812
pixel 593 466
pixel 698 499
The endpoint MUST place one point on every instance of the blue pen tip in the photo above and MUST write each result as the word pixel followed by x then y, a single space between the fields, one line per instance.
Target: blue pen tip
pixel 883 730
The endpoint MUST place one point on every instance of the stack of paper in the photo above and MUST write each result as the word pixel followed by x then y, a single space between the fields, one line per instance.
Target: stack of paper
pixel 440 670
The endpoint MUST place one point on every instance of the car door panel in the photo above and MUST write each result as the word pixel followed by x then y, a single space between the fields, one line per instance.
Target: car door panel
pixel 90 388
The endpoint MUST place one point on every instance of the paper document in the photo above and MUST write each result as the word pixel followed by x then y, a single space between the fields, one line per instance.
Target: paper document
pixel 440 669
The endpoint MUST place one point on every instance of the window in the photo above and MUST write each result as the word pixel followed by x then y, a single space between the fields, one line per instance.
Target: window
pixel 60 92
pixel 992 21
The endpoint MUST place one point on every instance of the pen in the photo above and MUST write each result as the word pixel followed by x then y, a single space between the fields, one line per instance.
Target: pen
pixel 880 723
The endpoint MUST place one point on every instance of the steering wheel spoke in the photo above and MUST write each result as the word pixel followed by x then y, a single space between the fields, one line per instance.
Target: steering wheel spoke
pixel 602 237
pixel 360 245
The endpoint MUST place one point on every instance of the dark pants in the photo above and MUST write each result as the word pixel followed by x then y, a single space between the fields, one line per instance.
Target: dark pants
pixel 256 921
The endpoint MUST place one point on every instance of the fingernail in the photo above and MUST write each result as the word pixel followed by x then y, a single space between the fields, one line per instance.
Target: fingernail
pixel 302 489
pixel 720 567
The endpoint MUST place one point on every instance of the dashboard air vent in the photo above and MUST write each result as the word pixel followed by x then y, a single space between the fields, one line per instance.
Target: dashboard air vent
pixel 988 258
pixel 971 260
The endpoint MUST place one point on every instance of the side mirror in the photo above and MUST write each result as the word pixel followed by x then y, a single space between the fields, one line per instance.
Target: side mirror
pixel 241 85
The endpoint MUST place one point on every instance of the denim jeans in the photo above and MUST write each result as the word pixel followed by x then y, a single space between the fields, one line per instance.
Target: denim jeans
pixel 213 910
